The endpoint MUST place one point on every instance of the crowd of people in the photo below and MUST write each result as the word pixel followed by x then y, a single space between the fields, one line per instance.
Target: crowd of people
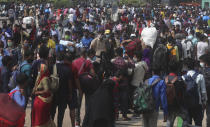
pixel 52 58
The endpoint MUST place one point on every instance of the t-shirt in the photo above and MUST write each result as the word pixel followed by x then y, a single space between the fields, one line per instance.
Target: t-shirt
pixel 78 63
pixel 65 74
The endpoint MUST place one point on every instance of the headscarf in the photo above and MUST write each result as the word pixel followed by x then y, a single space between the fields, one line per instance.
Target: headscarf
pixel 43 72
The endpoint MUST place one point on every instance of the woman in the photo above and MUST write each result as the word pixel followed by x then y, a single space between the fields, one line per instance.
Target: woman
pixel 42 102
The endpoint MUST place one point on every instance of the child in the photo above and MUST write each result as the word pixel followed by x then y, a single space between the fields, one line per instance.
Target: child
pixel 17 94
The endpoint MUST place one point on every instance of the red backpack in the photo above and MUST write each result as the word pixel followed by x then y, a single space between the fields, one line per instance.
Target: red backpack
pixel 11 114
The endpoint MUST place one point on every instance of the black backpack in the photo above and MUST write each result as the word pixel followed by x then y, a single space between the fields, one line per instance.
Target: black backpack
pixel 160 57
pixel 191 95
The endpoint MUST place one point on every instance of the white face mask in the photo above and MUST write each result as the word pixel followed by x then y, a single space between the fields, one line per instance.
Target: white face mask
pixel 202 64
pixel 135 60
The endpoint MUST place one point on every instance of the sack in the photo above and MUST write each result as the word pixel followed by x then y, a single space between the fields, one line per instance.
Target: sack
pixel 11 114
pixel 12 82
pixel 149 36
pixel 28 20
pixel 170 89
pixel 54 80
pixel 143 97
pixel 191 95
pixel 131 47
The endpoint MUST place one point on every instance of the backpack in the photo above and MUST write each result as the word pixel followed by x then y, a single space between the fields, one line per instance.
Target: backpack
pixel 160 57
pixel 11 114
pixel 144 100
pixel 191 95
pixel 54 80
pixel 170 89
pixel 12 82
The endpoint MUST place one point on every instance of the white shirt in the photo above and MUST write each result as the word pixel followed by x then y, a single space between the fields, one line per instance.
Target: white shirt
pixel 187 48
pixel 202 47
pixel 139 72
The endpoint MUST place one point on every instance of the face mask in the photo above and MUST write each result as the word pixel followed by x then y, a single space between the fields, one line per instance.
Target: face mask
pixel 202 64
pixel 107 36
pixel 67 37
pixel 10 44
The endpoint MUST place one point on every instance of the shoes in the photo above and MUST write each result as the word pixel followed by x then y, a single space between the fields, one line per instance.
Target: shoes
pixel 126 119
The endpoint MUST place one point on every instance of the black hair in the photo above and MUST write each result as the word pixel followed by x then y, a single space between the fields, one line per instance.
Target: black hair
pixel 156 69
pixel 190 63
pixel 21 78
pixel 173 66
pixel 60 56
pixel 91 52
pixel 122 72
pixel 6 60
pixel 119 51
pixel 138 54
pixel 43 52
pixel 205 58
pixel 28 53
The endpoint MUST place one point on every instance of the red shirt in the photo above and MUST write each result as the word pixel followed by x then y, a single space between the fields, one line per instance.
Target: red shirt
pixel 78 63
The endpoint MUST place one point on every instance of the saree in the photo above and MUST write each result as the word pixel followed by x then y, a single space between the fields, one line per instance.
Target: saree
pixel 42 103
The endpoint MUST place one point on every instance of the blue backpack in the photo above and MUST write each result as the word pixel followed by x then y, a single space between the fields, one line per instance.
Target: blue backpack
pixel 191 95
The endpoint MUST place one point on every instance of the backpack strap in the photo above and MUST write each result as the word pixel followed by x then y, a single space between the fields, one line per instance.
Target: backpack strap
pixel 11 94
pixel 155 82
pixel 195 76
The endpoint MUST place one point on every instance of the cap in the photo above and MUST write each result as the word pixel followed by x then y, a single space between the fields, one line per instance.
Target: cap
pixel 107 31
pixel 133 35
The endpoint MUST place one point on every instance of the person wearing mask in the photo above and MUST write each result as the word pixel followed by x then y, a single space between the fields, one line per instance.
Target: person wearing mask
pixel 86 40
pixel 197 103
pixel 140 69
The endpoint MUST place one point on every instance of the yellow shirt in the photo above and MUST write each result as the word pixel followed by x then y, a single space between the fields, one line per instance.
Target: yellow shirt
pixel 51 44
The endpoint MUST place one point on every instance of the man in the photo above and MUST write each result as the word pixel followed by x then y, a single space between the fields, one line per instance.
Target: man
pixel 80 66
pixel 98 44
pixel 205 65
pixel 86 40
pixel 195 104
pixel 6 72
pixel 140 69
pixel 175 92
pixel 120 64
pixel 26 68
pixel 43 54
pixel 63 95
pixel 159 93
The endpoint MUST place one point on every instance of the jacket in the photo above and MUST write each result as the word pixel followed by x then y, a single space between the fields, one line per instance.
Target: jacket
pixel 159 93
